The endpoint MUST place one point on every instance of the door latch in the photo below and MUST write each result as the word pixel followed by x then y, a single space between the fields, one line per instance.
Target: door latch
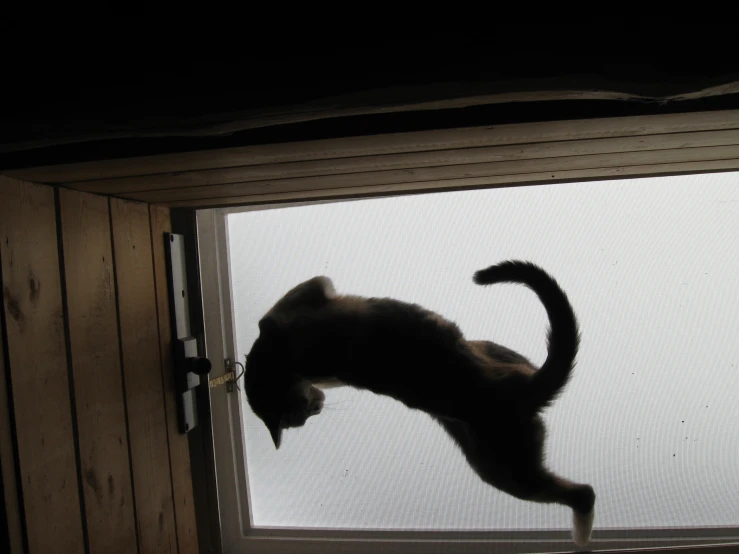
pixel 229 378
pixel 189 367
pixel 189 364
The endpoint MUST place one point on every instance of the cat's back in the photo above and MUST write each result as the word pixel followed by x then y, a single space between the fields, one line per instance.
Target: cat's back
pixel 410 323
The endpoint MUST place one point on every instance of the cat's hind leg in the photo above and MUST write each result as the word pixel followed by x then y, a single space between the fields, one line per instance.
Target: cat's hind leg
pixel 548 487
pixel 513 461
pixel 537 484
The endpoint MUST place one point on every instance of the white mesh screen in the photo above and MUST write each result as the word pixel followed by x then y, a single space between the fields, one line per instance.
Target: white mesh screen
pixel 650 418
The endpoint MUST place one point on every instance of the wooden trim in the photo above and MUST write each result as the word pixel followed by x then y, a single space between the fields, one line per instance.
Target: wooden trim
pixel 179 452
pixel 139 332
pixel 446 139
pixel 38 366
pixel 443 176
pixel 232 497
pixel 457 160
pixel 523 179
pixel 95 360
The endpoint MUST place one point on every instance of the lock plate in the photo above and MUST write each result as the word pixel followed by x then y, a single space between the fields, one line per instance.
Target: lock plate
pixel 188 364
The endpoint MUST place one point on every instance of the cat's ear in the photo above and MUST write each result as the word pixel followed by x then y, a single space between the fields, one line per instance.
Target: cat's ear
pixel 274 424
pixel 326 286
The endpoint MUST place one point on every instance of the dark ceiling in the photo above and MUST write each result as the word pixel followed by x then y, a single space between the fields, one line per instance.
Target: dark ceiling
pixel 80 100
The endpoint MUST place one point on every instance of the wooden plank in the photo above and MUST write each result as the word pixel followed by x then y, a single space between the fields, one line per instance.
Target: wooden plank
pixel 179 452
pixel 7 460
pixel 443 139
pixel 440 158
pixel 522 179
pixel 38 367
pixel 139 332
pixel 442 173
pixel 96 366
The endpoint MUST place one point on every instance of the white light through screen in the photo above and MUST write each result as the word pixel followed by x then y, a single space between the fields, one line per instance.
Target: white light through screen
pixel 650 416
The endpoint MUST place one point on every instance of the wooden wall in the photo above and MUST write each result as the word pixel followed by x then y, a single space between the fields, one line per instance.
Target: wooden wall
pixel 90 454
pixel 435 160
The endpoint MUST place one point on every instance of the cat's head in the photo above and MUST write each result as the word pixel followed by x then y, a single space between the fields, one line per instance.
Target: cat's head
pixel 278 396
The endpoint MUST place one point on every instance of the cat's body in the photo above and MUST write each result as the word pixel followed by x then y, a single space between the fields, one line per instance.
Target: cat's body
pixel 487 397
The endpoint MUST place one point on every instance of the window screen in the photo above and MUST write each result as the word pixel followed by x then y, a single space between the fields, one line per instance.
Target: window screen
pixel 651 267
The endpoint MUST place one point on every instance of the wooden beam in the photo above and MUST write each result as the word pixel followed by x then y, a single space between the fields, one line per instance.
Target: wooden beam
pixel 96 366
pixel 459 159
pixel 523 179
pixel 139 332
pixel 445 176
pixel 38 367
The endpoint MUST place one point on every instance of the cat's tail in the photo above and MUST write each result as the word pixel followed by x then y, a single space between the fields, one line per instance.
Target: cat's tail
pixel 563 337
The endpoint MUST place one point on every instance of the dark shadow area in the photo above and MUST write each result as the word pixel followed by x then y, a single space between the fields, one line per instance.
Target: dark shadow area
pixel 81 102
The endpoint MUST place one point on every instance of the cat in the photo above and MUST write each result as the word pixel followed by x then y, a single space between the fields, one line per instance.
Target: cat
pixel 486 396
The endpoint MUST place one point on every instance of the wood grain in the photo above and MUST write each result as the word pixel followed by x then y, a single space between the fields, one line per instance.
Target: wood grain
pixel 7 460
pixel 349 168
pixel 179 453
pixel 38 367
pixel 397 143
pixel 441 174
pixel 139 330
pixel 95 356
pixel 522 179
